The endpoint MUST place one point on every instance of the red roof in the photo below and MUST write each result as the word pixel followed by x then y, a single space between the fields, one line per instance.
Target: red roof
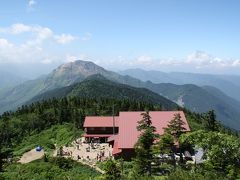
pixel 127 123
pixel 128 133
pixel 112 138
pixel 100 121
pixel 116 149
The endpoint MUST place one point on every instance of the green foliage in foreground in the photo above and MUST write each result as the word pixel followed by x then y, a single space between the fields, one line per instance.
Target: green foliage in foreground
pixel 55 168
pixel 222 151
pixel 57 135
pixel 180 174
pixel 112 170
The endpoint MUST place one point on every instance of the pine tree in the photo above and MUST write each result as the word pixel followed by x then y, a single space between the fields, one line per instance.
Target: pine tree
pixel 176 128
pixel 143 147
pixel 211 122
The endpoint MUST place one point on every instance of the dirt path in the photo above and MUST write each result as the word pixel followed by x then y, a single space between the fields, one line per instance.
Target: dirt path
pixel 31 156
pixel 86 157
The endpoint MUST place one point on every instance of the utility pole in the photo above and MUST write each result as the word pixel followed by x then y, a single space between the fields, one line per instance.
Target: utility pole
pixel 113 120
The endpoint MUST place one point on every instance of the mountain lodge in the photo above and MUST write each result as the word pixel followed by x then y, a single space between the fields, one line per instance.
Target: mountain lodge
pixel 121 131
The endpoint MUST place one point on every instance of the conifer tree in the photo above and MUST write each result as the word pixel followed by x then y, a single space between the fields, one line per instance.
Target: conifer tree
pixel 176 128
pixel 143 147
pixel 211 122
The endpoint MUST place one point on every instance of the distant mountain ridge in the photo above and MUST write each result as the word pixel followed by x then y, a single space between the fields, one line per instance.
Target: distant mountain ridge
pixel 229 84
pixel 200 99
pixel 8 79
pixel 190 96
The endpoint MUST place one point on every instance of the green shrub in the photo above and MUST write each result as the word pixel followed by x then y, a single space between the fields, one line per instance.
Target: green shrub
pixel 55 168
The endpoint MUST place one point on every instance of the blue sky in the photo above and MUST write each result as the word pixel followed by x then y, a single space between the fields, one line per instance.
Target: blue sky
pixel 168 35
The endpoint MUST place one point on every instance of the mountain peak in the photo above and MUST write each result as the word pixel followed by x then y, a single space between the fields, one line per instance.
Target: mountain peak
pixel 71 72
pixel 79 66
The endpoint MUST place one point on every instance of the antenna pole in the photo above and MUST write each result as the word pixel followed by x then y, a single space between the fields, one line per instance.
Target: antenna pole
pixel 113 120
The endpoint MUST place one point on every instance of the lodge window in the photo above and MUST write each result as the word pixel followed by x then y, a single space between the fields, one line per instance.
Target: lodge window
pixel 103 128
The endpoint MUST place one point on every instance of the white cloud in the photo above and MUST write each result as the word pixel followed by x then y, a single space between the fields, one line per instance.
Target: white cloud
pixel 236 63
pixel 47 61
pixel 200 59
pixel 168 62
pixel 5 44
pixel 144 59
pixel 33 45
pixel 19 28
pixel 65 38
pixel 41 33
pixel 31 3
pixel 72 58
pixel 16 29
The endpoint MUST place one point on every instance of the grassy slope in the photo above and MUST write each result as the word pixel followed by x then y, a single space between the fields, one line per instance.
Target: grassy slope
pixel 55 168
pixel 57 134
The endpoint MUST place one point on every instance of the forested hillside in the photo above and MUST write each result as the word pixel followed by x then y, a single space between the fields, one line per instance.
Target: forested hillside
pixel 98 86
pixel 199 99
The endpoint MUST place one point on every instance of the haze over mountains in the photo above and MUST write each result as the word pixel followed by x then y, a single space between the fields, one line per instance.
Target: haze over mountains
pixel 9 79
pixel 66 81
pixel 229 84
